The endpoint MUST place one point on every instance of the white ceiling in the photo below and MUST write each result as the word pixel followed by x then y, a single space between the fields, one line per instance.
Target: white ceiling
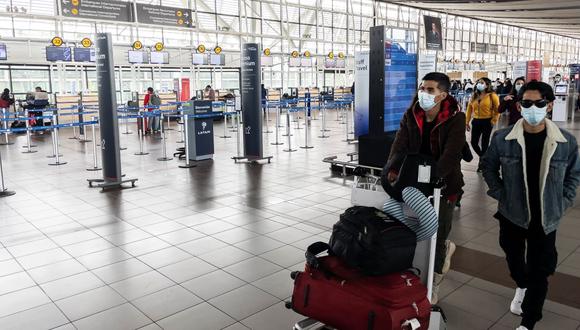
pixel 557 16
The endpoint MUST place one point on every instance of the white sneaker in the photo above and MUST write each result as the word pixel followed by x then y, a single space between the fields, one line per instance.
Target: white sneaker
pixel 516 306
pixel 521 327
pixel 450 250
pixel 437 279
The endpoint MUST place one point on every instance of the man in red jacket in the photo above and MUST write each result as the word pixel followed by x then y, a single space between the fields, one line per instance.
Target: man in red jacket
pixel 434 126
pixel 146 101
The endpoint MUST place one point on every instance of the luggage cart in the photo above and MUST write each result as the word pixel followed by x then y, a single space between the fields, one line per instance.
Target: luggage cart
pixel 367 191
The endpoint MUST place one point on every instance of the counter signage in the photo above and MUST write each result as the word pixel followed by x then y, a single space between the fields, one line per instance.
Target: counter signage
pixel 98 9
pixel 251 100
pixel 162 15
pixel 361 95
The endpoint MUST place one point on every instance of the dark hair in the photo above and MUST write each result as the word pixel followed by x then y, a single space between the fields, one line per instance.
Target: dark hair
pixel 545 90
pixel 150 89
pixel 487 82
pixel 513 91
pixel 5 94
pixel 208 86
pixel 442 80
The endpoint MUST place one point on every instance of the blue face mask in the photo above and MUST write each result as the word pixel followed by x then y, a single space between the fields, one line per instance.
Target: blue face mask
pixel 426 100
pixel 481 87
pixel 534 115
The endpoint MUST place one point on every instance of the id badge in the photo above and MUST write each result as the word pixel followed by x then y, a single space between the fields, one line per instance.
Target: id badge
pixel 424 175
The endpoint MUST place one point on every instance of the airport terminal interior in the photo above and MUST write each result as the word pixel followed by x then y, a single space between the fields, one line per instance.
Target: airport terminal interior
pixel 166 164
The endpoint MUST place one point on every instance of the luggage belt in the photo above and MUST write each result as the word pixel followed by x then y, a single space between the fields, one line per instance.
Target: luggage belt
pixel 332 160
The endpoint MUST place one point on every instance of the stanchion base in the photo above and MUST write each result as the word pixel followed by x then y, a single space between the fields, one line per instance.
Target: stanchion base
pixel 181 141
pixel 122 148
pixel 324 137
pixel 277 143
pixel 348 140
pixel 29 151
pixel 287 135
pixel 187 166
pixel 141 153
pixel 104 185
pixel 252 160
pixel 57 163
pixel 53 156
pixel 73 138
pixel 32 146
pixel 7 193
pixel 164 159
pixel 225 137
pixel 127 132
pixel 268 132
pixel 6 143
pixel 94 169
pixel 306 147
pixel 169 129
pixel 290 150
pixel 85 141
pixel 299 128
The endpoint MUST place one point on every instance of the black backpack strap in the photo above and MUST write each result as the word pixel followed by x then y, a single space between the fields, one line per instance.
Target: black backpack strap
pixel 313 251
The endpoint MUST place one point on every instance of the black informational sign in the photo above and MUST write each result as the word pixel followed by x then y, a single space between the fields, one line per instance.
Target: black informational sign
pixel 108 121
pixel 162 15
pixel 200 130
pixel 433 33
pixel 251 101
pixel 54 54
pixel 120 11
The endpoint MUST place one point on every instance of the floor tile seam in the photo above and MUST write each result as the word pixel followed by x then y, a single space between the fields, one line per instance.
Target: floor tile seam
pixel 29 309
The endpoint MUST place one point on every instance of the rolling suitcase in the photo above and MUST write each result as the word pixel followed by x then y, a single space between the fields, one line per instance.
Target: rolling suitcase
pixel 424 260
pixel 342 297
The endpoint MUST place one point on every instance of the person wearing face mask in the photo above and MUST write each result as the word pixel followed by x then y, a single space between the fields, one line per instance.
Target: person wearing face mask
pixel 434 126
pixel 532 169
pixel 483 109
pixel 510 102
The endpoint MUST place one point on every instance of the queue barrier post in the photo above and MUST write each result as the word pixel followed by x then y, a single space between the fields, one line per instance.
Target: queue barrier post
pixel 323 114
pixel 180 130
pixel 55 143
pixel 4 192
pixel 28 145
pixel 268 131
pixel 94 134
pixel 298 121
pixel 127 123
pixel 164 142
pixel 141 136
pixel 277 129
pixel 188 163
pixel 5 126
pixel 225 136
pixel 288 132
pixel 306 131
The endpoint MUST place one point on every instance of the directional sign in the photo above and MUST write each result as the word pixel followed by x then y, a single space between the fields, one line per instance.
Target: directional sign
pixel 86 42
pixel 57 41
pixel 162 15
pixel 98 9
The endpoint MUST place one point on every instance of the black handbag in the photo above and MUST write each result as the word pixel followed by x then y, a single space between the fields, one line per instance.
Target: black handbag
pixel 368 239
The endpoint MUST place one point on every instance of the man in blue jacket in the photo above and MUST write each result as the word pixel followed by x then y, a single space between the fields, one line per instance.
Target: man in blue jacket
pixel 532 169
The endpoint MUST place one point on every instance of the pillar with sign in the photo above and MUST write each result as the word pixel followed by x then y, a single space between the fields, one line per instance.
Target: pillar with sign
pixel 251 103
pixel 108 121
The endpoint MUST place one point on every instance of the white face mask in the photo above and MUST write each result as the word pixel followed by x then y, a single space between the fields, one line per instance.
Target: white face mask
pixel 518 87
pixel 426 100
pixel 534 115
pixel 481 87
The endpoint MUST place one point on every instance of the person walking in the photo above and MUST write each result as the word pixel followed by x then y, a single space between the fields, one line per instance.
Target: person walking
pixel 532 169
pixel 509 103
pixel 483 108
pixel 434 126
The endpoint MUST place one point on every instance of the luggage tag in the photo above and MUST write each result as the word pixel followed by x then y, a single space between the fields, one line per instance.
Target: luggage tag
pixel 424 175
pixel 414 324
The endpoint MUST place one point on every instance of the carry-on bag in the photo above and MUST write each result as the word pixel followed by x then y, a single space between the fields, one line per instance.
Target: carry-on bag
pixel 343 298
pixel 368 239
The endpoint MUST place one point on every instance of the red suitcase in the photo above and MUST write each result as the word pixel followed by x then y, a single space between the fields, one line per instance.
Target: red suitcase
pixel 340 297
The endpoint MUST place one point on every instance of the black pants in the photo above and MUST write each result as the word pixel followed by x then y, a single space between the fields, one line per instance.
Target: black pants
pixel 480 130
pixel 529 270
pixel 445 221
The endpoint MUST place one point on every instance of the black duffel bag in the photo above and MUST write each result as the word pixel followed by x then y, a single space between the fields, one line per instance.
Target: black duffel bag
pixel 370 240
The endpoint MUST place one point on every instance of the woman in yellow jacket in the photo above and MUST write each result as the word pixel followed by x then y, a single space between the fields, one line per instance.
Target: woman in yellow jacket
pixel 483 109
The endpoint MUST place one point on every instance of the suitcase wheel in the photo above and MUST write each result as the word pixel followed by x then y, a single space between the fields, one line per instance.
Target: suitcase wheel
pixel 294 274
pixel 288 304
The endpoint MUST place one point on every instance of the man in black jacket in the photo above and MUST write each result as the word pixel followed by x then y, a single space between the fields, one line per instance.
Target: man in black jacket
pixel 434 126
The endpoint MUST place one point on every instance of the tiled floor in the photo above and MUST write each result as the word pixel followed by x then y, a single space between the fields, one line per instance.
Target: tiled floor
pixel 206 248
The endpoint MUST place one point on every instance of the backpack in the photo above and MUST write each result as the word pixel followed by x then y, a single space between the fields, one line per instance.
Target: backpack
pixel 155 100
pixel 368 239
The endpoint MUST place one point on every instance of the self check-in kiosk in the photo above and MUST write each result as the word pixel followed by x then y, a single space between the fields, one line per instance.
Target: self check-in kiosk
pixel 200 130
pixel 560 111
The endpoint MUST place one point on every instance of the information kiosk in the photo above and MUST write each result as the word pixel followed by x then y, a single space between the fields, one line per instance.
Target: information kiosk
pixel 560 111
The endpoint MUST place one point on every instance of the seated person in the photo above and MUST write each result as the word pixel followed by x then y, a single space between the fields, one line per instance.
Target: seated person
pixel 420 216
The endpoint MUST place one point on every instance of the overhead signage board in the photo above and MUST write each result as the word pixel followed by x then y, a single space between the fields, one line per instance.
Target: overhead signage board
pixel 361 95
pixel 119 11
pixel 162 15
